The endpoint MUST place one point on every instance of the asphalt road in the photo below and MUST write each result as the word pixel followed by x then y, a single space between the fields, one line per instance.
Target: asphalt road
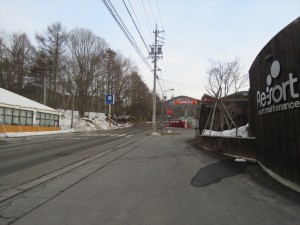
pixel 161 180
pixel 26 158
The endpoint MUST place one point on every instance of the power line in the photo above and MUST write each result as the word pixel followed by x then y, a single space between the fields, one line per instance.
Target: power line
pixel 159 15
pixel 136 18
pixel 160 86
pixel 180 84
pixel 124 29
pixel 162 74
pixel 147 16
pixel 135 25
pixel 162 83
pixel 196 77
pixel 152 12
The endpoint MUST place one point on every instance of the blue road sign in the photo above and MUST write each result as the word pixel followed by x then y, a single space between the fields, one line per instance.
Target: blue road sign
pixel 109 99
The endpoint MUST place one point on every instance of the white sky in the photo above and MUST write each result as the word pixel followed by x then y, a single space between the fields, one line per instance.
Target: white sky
pixel 195 31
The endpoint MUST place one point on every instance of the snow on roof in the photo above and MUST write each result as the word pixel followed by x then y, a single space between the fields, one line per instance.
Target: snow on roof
pixel 13 100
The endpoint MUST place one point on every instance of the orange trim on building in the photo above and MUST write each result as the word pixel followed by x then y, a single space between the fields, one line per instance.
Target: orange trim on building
pixel 17 128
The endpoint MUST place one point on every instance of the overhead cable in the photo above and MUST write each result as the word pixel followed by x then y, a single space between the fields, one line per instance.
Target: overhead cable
pixel 184 85
pixel 136 26
pixel 152 12
pixel 159 15
pixel 126 32
pixel 136 18
pixel 147 16
pixel 162 92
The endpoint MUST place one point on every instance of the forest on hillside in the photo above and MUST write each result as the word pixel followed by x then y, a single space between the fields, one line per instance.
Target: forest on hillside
pixel 69 67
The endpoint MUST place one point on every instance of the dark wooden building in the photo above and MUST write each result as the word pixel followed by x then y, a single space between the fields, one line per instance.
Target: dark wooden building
pixel 274 103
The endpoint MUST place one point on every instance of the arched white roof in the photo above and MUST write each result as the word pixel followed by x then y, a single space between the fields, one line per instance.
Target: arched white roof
pixel 13 100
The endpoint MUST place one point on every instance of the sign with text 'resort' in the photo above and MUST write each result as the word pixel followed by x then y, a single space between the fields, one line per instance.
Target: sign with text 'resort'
pixel 109 99
pixel 278 96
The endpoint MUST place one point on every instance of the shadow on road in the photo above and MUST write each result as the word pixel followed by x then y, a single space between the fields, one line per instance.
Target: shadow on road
pixel 216 172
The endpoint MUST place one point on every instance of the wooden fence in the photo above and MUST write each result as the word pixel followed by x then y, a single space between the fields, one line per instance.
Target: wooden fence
pixel 234 146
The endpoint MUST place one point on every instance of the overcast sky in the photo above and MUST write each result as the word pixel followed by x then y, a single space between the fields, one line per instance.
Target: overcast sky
pixel 195 31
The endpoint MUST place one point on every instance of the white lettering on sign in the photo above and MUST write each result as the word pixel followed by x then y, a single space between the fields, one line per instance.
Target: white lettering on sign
pixel 186 102
pixel 267 101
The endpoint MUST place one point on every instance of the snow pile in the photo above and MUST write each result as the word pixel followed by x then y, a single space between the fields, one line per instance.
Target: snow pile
pixel 25 134
pixel 155 134
pixel 92 122
pixel 67 114
pixel 101 124
pixel 65 124
pixel 242 132
pixel 84 125
pixel 240 160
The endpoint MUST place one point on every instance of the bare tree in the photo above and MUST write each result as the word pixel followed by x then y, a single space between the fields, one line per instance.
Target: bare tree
pixel 4 61
pixel 16 58
pixel 121 82
pixel 116 78
pixel 139 99
pixel 224 78
pixel 52 45
pixel 76 66
pixel 85 65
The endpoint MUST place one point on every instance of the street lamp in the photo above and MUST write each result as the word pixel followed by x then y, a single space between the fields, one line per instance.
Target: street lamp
pixel 162 106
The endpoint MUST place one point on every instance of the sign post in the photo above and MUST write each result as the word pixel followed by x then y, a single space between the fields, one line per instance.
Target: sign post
pixel 109 100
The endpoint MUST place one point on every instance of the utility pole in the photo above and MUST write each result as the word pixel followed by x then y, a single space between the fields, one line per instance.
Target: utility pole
pixel 72 116
pixel 155 54
pixel 44 88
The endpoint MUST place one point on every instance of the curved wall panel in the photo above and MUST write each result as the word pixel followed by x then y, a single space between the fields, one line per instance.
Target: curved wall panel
pixel 274 103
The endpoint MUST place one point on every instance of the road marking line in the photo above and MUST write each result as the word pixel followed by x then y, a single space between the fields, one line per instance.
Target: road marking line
pixel 104 134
